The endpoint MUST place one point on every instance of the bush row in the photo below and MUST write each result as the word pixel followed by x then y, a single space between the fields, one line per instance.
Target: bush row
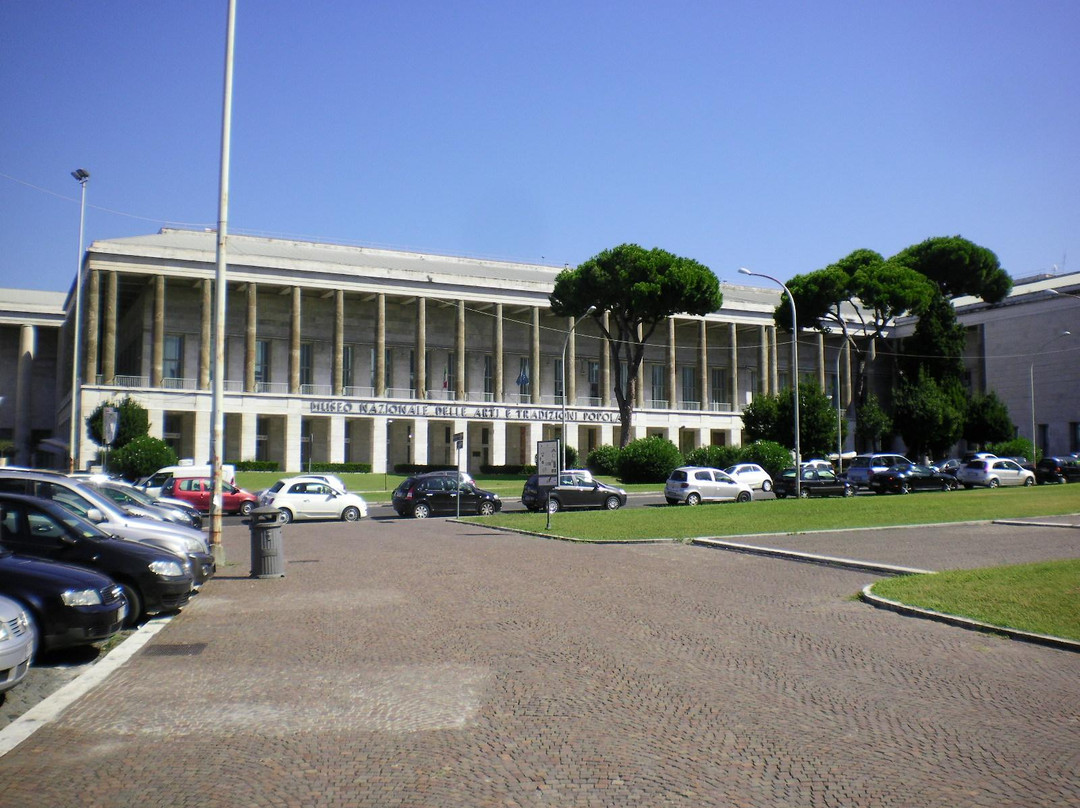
pixel 652 459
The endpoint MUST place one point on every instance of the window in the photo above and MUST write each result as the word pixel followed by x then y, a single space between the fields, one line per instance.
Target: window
pixel 560 392
pixel 347 365
pixel 450 374
pixel 388 368
pixel 718 389
pixel 524 380
pixel 172 427
pixel 262 362
pixel 689 385
pixel 262 437
pixel 594 379
pixel 412 372
pixel 659 382
pixel 173 365
pixel 1074 436
pixel 307 373
pixel 489 377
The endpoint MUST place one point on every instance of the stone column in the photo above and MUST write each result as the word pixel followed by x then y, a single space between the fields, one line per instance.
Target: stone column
pixel 821 359
pixel 459 353
pixel 672 372
pixel 24 383
pixel 419 447
pixel 605 366
pixel 337 372
pixel 292 442
pixel 774 361
pixel 733 355
pixel 336 439
pixel 498 443
pixel 703 363
pixel 205 318
pixel 421 349
pixel 763 360
pixel 249 430
pixel 535 356
pixel 500 394
pixel 108 348
pixel 294 348
pixel 93 310
pixel 157 350
pixel 378 446
pixel 250 337
pixel 380 352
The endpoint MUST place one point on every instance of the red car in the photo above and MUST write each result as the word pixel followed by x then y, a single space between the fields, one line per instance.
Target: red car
pixel 199 490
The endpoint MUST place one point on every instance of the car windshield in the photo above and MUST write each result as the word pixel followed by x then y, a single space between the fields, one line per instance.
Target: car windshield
pixel 131 493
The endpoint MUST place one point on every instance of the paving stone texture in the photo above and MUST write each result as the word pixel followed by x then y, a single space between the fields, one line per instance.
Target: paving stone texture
pixel 407 663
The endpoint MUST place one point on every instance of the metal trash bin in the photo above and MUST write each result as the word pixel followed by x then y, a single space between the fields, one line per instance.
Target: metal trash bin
pixel 267 553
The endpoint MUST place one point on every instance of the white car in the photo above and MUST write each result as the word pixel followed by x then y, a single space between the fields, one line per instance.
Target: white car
pixel 992 472
pixel 17 643
pixel 696 484
pixel 312 497
pixel 752 474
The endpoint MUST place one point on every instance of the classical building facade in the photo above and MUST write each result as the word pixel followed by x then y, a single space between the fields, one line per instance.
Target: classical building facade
pixel 336 353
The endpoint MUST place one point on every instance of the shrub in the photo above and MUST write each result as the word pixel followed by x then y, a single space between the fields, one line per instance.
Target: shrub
pixel 719 457
pixel 347 468
pixel 132 421
pixel 420 468
pixel 1017 447
pixel 570 458
pixel 603 460
pixel 253 465
pixel 770 455
pixel 141 457
pixel 648 460
pixel 510 470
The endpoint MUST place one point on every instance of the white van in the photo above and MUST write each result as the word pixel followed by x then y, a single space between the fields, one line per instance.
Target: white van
pixel 152 484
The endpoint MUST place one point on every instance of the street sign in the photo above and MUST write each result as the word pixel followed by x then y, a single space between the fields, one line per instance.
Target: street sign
pixel 459 439
pixel 547 461
pixel 110 422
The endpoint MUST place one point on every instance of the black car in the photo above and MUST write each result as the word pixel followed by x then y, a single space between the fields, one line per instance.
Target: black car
pixel 69 605
pixel 948 466
pixel 813 483
pixel 152 580
pixel 907 477
pixel 576 489
pixel 437 492
pixel 1057 470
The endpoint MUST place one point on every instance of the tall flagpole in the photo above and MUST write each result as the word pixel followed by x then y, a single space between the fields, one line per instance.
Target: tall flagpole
pixel 218 416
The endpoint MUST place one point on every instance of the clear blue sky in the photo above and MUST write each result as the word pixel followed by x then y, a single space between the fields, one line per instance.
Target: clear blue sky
pixel 774 135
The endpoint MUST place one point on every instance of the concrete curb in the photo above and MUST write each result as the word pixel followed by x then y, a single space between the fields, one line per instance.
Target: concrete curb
pixel 50 708
pixel 810 558
pixel 964 622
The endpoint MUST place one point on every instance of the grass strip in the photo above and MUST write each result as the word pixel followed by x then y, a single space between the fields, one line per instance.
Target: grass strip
pixel 1043 597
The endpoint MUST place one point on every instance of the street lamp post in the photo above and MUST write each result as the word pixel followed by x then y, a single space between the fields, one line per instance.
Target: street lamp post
pixel 794 368
pixel 75 438
pixel 562 432
pixel 1031 382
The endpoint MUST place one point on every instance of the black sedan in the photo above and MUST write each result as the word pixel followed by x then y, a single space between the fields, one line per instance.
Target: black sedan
pixel 813 483
pixel 907 477
pixel 576 489
pixel 69 605
pixel 152 580
pixel 437 493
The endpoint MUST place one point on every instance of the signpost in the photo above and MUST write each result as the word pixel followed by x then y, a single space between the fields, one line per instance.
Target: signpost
pixel 110 422
pixel 547 468
pixel 459 440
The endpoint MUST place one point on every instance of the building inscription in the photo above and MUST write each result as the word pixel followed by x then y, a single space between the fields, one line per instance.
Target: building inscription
pixel 486 412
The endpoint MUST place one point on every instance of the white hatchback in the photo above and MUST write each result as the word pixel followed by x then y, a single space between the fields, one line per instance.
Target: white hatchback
pixel 752 474
pixel 696 484
pixel 313 498
pixel 992 472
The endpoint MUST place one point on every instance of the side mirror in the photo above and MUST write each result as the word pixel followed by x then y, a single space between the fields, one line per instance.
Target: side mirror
pixel 95 516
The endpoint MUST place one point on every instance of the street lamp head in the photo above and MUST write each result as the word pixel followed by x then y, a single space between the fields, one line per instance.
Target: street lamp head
pixel 590 310
pixel 745 271
pixel 81 174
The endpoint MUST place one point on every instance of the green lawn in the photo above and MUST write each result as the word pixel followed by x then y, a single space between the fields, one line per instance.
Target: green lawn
pixel 1043 598
pixel 794 516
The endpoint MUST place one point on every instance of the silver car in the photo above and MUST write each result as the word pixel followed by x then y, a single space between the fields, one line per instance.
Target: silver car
pixel 17 643
pixel 992 472
pixel 696 484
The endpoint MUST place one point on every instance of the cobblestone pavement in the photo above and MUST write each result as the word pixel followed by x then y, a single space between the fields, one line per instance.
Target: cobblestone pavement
pixel 427 663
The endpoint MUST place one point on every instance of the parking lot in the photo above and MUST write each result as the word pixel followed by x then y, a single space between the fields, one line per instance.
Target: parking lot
pixel 429 663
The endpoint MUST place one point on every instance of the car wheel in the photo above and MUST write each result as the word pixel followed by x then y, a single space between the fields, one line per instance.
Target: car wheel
pixel 246 508
pixel 766 486
pixel 612 503
pixel 744 496
pixel 671 501
pixel 553 505
pixel 849 491
pixel 286 515
pixel 693 498
pixel 804 493
pixel 350 514
pixel 1028 481
pixel 135 606
pixel 487 508
pixel 421 510
pixel 993 483
pixel 946 485
pixel 905 488
pixel 781 495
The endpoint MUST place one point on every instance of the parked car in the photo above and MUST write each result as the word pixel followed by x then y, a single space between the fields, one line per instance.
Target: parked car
pixel 152 580
pixel 948 466
pixel 994 471
pixel 307 497
pixel 865 466
pixel 152 484
pixel 908 477
pixel 18 641
pixel 752 474
pixel 818 464
pixel 198 491
pixel 136 502
pixel 1057 470
pixel 438 492
pixel 576 488
pixel 93 506
pixel 812 483
pixel 696 484
pixel 67 605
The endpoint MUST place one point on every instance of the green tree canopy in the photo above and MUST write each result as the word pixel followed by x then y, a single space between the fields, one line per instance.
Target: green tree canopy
pixel 638 289
pixel 987 420
pixel 132 422
pixel 929 415
pixel 772 418
pixel 872 423
pixel 958 267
